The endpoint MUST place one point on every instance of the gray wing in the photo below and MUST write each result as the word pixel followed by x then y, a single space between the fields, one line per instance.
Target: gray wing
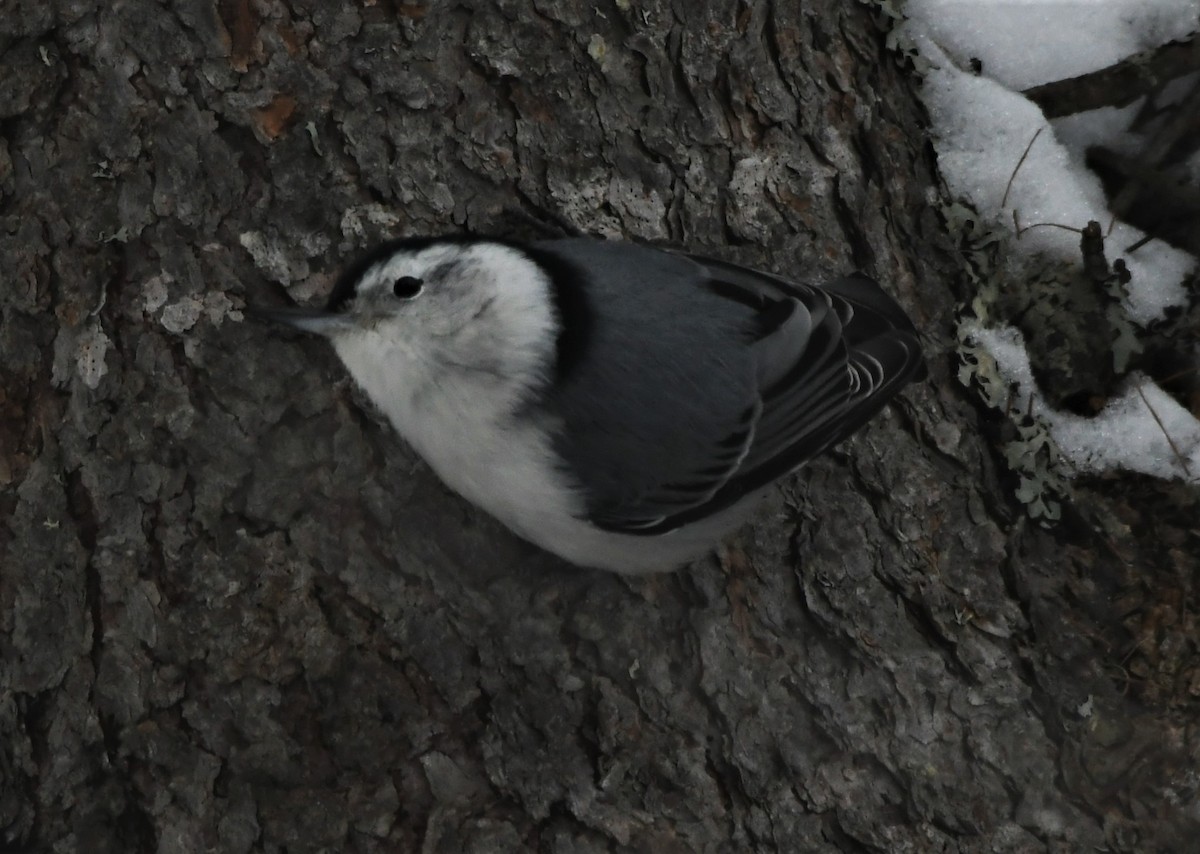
pixel 699 381
pixel 820 379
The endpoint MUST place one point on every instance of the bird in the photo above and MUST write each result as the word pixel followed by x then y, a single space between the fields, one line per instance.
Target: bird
pixel 619 405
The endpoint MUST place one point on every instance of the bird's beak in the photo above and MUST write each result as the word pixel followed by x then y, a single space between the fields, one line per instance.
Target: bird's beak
pixel 305 319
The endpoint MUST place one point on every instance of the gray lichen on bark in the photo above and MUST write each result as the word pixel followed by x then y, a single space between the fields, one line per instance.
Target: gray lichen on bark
pixel 238 614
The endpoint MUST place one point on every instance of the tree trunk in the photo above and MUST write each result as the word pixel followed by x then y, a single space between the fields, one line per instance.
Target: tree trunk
pixel 238 614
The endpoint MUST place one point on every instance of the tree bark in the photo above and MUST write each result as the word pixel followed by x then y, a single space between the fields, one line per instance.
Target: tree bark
pixel 238 614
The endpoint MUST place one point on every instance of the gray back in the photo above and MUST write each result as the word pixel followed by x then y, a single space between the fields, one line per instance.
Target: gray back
pixel 664 377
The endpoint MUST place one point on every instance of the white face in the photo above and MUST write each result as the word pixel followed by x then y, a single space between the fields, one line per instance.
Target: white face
pixel 479 309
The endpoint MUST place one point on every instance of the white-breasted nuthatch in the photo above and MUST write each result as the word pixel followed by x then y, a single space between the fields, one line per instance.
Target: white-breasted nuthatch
pixel 618 405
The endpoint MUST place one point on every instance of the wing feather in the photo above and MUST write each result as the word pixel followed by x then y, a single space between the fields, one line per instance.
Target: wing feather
pixel 821 362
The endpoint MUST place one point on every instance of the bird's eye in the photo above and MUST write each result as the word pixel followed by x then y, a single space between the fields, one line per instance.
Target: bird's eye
pixel 407 287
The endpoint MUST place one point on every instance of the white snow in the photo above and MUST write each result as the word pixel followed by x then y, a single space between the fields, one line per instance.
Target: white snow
pixel 981 127
pixel 1024 43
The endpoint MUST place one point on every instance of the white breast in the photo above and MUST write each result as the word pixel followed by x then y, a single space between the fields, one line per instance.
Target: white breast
pixel 464 427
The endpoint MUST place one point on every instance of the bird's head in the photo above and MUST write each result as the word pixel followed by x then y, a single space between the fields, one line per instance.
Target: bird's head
pixel 458 306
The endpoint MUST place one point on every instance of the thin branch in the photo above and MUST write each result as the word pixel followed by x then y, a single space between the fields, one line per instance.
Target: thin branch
pixel 1174 448
pixel 1175 376
pixel 1021 229
pixel 1024 154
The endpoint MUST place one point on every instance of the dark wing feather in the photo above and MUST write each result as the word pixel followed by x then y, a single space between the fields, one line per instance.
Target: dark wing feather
pixel 813 365
pixel 860 354
pixel 828 360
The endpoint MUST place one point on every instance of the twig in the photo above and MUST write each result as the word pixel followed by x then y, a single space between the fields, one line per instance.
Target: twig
pixel 1022 229
pixel 1024 154
pixel 1138 244
pixel 1158 421
pixel 1177 375
pixel 1134 649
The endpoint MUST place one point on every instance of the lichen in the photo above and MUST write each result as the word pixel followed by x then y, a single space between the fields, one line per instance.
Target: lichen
pixel 1026 444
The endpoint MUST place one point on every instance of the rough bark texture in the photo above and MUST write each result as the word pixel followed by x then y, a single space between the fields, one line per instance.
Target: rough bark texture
pixel 237 614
